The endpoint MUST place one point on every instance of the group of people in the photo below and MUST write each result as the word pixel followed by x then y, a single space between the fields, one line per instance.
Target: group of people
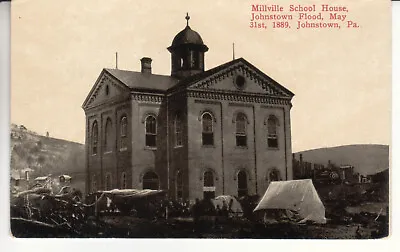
pixel 206 207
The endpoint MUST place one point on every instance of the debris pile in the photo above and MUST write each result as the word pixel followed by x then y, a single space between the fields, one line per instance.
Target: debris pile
pixel 49 213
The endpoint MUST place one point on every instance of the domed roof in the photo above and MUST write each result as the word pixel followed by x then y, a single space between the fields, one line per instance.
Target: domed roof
pixel 187 36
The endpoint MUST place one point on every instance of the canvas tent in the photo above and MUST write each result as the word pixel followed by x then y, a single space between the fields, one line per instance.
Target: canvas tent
pixel 236 208
pixel 299 196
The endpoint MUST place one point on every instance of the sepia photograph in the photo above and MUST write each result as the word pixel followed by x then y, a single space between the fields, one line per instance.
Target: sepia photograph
pixel 200 119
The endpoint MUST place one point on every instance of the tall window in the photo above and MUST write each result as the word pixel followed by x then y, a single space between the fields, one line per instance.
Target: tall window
pixel 178 130
pixel 179 185
pixel 95 137
pixel 123 133
pixel 108 182
pixel 208 188
pixel 208 134
pixel 242 183
pixel 150 181
pixel 151 131
pixel 272 132
pixel 108 136
pixel 123 180
pixel 241 137
pixel 94 184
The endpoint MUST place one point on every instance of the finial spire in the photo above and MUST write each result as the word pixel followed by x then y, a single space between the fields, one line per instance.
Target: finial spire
pixel 187 18
pixel 116 60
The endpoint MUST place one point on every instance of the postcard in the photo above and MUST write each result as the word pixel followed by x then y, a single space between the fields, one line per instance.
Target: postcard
pixel 200 119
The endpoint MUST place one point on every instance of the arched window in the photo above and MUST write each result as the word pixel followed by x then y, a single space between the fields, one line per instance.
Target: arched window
pixel 178 130
pixel 94 184
pixel 108 136
pixel 272 132
pixel 274 175
pixel 108 185
pixel 123 181
pixel 242 183
pixel 150 181
pixel 123 133
pixel 208 131
pixel 95 137
pixel 179 185
pixel 208 187
pixel 241 133
pixel 151 131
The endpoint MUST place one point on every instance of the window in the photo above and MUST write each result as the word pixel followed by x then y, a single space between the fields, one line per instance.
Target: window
pixel 195 59
pixel 107 90
pixel 108 182
pixel 241 137
pixel 272 132
pixel 123 180
pixel 208 134
pixel 151 131
pixel 95 137
pixel 94 184
pixel 178 130
pixel 208 188
pixel 242 184
pixel 150 181
pixel 274 175
pixel 179 185
pixel 108 136
pixel 123 133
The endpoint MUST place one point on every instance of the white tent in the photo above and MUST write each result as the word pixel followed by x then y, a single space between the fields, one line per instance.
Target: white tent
pixel 236 208
pixel 295 195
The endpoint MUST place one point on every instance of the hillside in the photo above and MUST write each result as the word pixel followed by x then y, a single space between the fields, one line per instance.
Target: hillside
pixel 367 159
pixel 45 155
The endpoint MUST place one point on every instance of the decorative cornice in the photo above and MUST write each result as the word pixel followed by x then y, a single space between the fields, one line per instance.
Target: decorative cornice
pixel 153 98
pixel 251 98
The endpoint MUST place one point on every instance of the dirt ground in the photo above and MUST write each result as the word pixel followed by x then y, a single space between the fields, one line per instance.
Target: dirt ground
pixel 131 227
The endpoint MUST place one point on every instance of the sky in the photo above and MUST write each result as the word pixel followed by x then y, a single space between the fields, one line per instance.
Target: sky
pixel 341 78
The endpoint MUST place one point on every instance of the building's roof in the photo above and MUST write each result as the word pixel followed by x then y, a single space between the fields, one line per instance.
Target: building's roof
pixel 163 84
pixel 153 82
pixel 143 81
pixel 346 166
pixel 187 36
pixel 42 178
pixel 197 77
pixel 67 177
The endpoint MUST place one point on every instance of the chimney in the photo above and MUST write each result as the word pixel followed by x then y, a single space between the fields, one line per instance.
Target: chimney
pixel 146 65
